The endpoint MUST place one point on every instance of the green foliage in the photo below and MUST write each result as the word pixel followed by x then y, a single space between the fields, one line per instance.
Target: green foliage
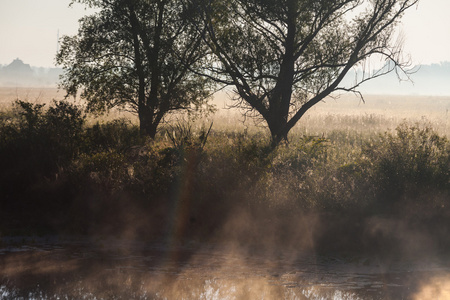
pixel 184 138
pixel 412 162
pixel 29 115
pixel 141 56
pixel 118 134
pixel 37 142
pixel 251 152
pixel 102 170
pixel 64 123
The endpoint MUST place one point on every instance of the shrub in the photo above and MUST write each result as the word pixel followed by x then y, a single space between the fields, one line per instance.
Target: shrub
pixel 105 170
pixel 410 163
pixel 153 169
pixel 37 143
pixel 63 123
pixel 118 134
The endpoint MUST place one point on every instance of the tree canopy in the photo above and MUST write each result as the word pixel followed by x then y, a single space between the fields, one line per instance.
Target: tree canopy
pixel 284 56
pixel 137 55
pixel 281 56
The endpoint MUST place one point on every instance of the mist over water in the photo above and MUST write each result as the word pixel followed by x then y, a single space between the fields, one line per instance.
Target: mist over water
pixel 114 269
pixel 252 257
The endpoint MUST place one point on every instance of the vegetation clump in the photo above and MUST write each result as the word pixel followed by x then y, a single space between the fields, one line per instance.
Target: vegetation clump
pixel 63 175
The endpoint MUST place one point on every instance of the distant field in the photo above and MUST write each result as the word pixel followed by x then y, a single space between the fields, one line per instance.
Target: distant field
pixel 349 113
pixel 38 95
pixel 42 96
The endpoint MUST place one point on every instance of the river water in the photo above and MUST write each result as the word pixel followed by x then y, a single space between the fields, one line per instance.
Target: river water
pixel 117 269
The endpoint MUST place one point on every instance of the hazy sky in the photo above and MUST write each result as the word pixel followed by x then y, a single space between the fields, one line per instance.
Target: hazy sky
pixel 29 28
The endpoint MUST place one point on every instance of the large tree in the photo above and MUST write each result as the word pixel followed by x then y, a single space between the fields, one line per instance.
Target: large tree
pixel 284 56
pixel 139 55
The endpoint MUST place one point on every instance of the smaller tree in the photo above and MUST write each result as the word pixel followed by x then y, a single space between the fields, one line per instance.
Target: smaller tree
pixel 137 55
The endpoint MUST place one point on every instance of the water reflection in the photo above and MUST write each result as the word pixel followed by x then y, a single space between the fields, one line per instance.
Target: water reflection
pixel 108 270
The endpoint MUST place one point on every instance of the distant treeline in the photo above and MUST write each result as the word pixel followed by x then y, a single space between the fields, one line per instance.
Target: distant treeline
pixel 19 74
pixel 427 80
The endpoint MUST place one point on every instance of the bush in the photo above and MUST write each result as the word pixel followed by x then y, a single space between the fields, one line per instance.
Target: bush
pixel 63 123
pixel 106 171
pixel 38 143
pixel 407 165
pixel 119 135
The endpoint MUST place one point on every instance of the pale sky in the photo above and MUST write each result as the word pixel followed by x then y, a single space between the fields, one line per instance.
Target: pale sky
pixel 29 28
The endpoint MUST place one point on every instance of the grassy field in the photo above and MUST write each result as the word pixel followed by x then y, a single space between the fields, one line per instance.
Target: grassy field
pixel 348 112
pixel 354 177
pixel 37 95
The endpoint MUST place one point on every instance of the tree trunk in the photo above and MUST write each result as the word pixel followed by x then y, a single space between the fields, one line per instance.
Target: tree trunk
pixel 277 126
pixel 280 99
pixel 147 126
